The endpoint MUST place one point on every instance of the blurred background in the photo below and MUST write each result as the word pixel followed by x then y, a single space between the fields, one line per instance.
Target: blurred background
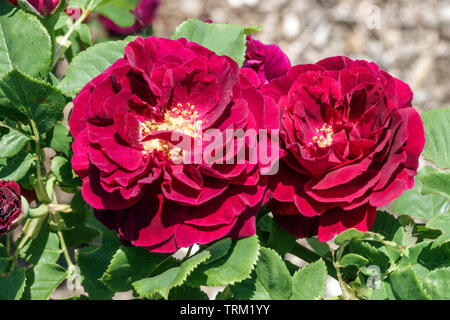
pixel 408 38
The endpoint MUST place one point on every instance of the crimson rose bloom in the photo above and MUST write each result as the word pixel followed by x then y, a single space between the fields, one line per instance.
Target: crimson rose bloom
pixel 43 7
pixel 144 13
pixel 10 205
pixel 269 61
pixel 353 142
pixel 123 122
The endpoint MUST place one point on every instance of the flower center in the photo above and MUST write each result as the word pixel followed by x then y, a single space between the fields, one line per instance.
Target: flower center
pixel 324 136
pixel 183 119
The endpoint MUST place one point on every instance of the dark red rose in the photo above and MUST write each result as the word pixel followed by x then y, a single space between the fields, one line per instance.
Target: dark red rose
pixel 269 61
pixel 353 142
pixel 42 7
pixel 144 13
pixel 123 123
pixel 10 205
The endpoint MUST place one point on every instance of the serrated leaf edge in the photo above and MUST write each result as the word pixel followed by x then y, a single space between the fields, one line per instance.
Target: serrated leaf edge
pixel 150 294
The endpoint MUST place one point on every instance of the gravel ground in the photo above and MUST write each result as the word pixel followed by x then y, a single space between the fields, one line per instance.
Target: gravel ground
pixel 408 38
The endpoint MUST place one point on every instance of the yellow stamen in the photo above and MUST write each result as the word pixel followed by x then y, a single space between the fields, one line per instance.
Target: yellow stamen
pixel 182 119
pixel 325 136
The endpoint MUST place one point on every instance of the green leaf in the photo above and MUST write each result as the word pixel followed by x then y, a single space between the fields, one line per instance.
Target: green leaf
pixel 234 267
pixel 4 259
pixel 223 39
pixel 81 3
pixel 12 285
pixel 280 240
pixel 42 280
pixel 118 11
pixel 436 123
pixel 321 248
pixel 374 255
pixel 60 140
pixel 16 167
pixel 441 223
pixel 310 282
pixel 437 284
pixel 250 289
pixel 218 250
pixel 407 286
pixel 90 63
pixel 273 274
pixel 164 282
pixel 389 227
pixel 353 234
pixel 85 34
pixel 413 203
pixel 130 264
pixel 12 143
pixel 187 293
pixel 43 249
pixel 428 255
pixel 384 292
pixel 33 226
pixel 37 100
pixel 93 262
pixel 436 182
pixel 24 44
pixel 62 169
pixel 353 259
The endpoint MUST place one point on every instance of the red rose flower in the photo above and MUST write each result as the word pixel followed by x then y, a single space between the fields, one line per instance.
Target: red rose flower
pixel 353 142
pixel 10 205
pixel 124 123
pixel 144 14
pixel 42 7
pixel 269 61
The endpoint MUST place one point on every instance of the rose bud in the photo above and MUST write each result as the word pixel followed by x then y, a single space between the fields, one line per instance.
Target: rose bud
pixel 42 8
pixel 124 122
pixel 353 142
pixel 10 205
pixel 269 61
pixel 73 13
pixel 144 14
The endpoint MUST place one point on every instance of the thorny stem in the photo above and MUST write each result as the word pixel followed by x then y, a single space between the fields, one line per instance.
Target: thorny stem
pixel 188 253
pixel 37 140
pixel 347 293
pixel 70 265
pixel 64 43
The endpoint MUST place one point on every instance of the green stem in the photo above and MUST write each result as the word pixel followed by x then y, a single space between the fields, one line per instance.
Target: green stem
pixel 40 188
pixel 8 244
pixel 37 141
pixel 38 212
pixel 188 253
pixel 62 242
pixel 65 43
pixel 347 293
pixel 19 247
